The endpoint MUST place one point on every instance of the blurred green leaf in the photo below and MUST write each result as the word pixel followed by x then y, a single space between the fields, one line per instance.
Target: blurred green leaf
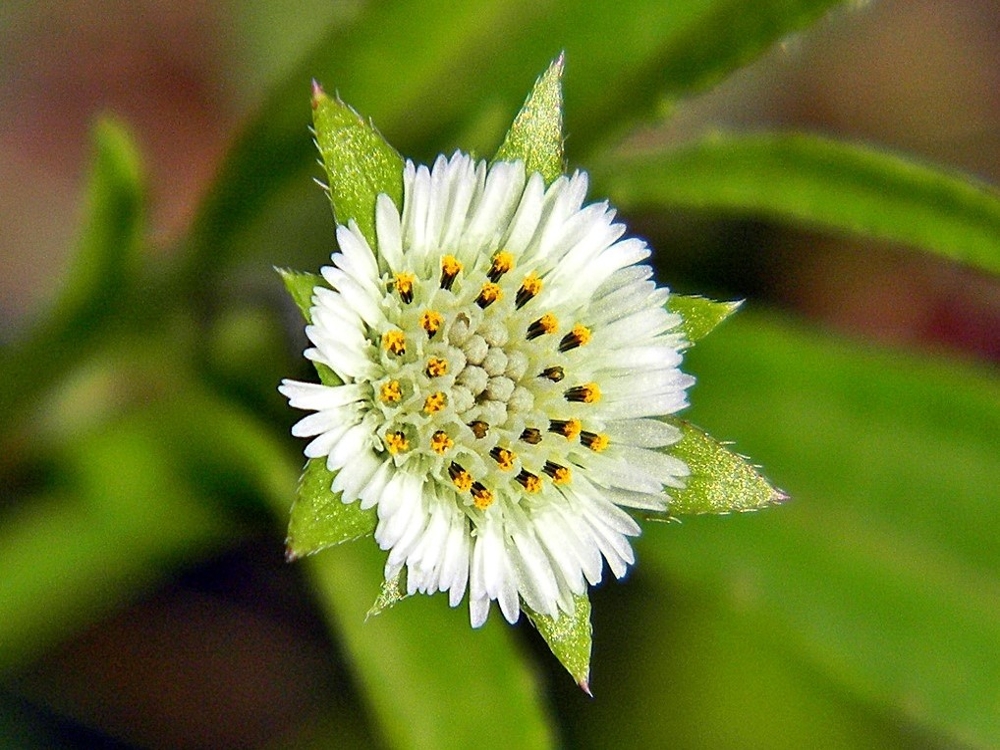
pixel 536 136
pixel 811 180
pixel 107 253
pixel 67 560
pixel 569 638
pixel 720 481
pixel 359 163
pixel 423 69
pixel 319 518
pixel 882 574
pixel 700 315
pixel 430 679
pixel 99 278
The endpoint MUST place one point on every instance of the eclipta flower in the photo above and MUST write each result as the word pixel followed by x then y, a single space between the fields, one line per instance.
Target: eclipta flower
pixel 505 358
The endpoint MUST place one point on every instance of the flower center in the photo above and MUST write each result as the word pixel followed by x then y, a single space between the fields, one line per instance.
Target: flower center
pixel 479 386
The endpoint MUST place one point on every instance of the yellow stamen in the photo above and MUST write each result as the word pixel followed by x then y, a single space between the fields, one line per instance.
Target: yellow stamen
pixel 502 263
pixel 436 367
pixel 532 435
pixel 390 392
pixel 460 477
pixel 545 324
pixel 531 286
pixel 481 496
pixel 588 393
pixel 555 374
pixel 450 268
pixel 559 474
pixel 531 482
pixel 568 428
pixel 431 322
pixel 441 443
pixel 597 442
pixel 579 336
pixel 394 342
pixel 404 286
pixel 434 403
pixel 489 294
pixel 503 457
pixel 396 442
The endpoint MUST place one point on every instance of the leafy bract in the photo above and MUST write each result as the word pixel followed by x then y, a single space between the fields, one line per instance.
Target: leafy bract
pixel 699 315
pixel 720 481
pixel 359 163
pixel 536 136
pixel 569 637
pixel 319 518
pixel 825 183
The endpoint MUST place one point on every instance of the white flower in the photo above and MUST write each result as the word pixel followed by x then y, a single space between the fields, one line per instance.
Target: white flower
pixel 504 360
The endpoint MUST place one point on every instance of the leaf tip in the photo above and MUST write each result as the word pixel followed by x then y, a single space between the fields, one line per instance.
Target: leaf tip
pixel 585 686
pixel 290 554
pixel 317 93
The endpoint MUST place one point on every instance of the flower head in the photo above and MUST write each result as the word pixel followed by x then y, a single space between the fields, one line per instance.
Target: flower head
pixel 504 358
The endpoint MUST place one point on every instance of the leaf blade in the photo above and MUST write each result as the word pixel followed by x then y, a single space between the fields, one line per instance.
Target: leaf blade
pixel 700 315
pixel 825 183
pixel 569 638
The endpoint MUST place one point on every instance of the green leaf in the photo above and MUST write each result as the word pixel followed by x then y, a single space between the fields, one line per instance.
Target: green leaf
pixel 319 519
pixel 824 183
pixel 881 577
pixel 569 637
pixel 700 315
pixel 430 680
pixel 300 286
pixel 100 277
pixel 359 163
pixel 536 136
pixel 721 481
pixel 107 255
pixel 446 64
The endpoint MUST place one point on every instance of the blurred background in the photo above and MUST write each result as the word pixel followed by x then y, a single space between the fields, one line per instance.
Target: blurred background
pixel 230 649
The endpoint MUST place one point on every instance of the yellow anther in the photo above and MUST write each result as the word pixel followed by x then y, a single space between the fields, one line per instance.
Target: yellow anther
pixel 579 336
pixel 545 324
pixel 531 286
pixel 434 403
pixel 489 294
pixel 460 477
pixel 431 322
pixel 479 428
pixel 559 474
pixel 503 457
pixel 597 442
pixel 532 483
pixel 404 286
pixel 568 428
pixel 396 442
pixel 588 393
pixel 441 443
pixel 531 435
pixel 436 367
pixel 481 496
pixel 394 342
pixel 502 263
pixel 555 374
pixel 450 268
pixel 390 392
